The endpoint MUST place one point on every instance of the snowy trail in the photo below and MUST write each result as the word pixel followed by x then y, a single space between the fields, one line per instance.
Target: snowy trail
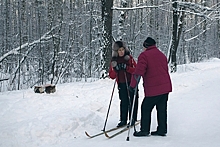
pixel 193 114
pixel 60 119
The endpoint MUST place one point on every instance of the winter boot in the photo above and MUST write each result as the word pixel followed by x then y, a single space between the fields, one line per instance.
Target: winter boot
pixel 122 123
pixel 155 133
pixel 141 134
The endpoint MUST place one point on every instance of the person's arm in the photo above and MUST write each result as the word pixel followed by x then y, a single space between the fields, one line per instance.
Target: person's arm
pixel 140 70
pixel 112 73
pixel 132 65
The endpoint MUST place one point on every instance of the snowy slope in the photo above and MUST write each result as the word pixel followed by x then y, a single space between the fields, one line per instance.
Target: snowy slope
pixel 60 119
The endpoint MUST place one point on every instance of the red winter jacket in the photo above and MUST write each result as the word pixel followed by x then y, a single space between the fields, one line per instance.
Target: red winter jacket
pixel 120 76
pixel 153 67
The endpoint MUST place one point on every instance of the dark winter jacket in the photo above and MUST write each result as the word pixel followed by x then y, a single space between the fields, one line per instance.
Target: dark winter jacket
pixel 120 76
pixel 153 67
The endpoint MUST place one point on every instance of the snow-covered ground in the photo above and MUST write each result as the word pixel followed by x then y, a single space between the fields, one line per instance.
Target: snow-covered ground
pixel 60 119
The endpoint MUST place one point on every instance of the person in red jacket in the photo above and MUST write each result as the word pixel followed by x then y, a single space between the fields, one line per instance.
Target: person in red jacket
pixel 122 66
pixel 152 66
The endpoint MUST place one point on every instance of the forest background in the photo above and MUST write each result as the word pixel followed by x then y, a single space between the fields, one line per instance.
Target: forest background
pixel 54 41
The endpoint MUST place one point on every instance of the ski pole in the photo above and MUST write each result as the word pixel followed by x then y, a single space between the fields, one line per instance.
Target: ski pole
pixel 109 106
pixel 129 98
pixel 133 103
pixel 126 81
pixel 129 106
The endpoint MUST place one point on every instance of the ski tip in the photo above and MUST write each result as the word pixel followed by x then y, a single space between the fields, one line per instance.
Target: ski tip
pixel 87 134
pixel 107 135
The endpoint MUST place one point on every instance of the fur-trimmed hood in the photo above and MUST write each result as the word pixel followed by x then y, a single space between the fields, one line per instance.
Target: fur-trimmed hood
pixel 116 46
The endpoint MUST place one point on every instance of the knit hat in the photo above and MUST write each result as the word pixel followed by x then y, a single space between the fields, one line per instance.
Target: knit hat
pixel 116 46
pixel 149 42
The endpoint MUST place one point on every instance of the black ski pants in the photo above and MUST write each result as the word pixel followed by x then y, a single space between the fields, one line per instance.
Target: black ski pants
pixel 147 106
pixel 126 103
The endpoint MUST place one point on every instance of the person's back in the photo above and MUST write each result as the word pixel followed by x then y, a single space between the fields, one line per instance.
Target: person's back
pixel 156 77
pixel 153 67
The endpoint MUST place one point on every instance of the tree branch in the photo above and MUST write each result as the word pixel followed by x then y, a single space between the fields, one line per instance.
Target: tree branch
pixel 45 37
pixel 4 79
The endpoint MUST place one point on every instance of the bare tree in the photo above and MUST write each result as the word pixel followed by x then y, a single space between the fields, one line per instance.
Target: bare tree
pixel 174 44
pixel 57 41
pixel 107 34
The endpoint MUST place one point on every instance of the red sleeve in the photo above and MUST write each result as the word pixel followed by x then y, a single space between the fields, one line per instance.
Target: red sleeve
pixel 112 73
pixel 139 70
pixel 141 65
pixel 132 65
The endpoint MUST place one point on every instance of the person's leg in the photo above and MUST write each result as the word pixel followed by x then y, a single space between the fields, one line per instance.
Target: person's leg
pixel 161 107
pixel 146 109
pixel 123 104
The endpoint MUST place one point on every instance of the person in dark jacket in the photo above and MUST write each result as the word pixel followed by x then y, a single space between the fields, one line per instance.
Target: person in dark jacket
pixel 122 66
pixel 152 66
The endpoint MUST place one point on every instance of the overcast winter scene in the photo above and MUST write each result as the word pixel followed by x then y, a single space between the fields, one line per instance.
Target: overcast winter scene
pixel 69 72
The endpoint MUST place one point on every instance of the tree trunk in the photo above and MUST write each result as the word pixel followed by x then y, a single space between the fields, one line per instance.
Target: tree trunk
pixel 177 30
pixel 218 26
pixel 173 47
pixel 122 16
pixel 106 35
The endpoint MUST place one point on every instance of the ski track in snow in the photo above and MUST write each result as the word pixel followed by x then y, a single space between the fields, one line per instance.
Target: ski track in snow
pixel 60 119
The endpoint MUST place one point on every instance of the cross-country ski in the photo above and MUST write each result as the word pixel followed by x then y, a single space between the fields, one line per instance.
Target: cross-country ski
pixel 101 133
pixel 120 132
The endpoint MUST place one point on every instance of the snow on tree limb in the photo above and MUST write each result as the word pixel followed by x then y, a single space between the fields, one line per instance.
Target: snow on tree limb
pixel 194 8
pixel 4 79
pixel 45 37
pixel 139 7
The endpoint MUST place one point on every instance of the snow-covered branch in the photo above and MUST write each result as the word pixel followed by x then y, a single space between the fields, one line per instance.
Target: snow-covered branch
pixel 196 36
pixel 140 7
pixel 47 36
pixel 200 10
pixel 195 7
pixel 4 79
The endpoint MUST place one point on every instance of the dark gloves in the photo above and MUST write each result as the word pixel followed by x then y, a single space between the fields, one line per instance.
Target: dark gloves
pixel 121 66
pixel 116 68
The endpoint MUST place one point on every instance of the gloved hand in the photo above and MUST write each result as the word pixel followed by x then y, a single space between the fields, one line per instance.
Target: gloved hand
pixel 115 65
pixel 116 68
pixel 123 66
